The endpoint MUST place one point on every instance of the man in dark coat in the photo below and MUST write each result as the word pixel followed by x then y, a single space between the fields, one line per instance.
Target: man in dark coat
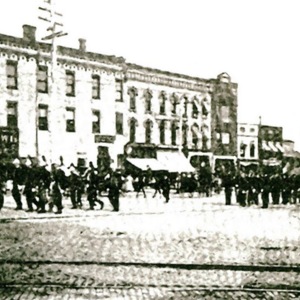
pixel 286 191
pixel 275 184
pixel 30 185
pixel 114 191
pixel 266 188
pixel 228 184
pixel 166 186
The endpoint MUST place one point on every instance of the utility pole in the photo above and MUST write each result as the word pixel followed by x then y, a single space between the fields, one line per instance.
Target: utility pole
pixel 180 125
pixel 52 17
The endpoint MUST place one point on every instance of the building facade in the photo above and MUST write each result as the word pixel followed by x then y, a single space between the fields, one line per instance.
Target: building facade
pixel 224 105
pixel 247 142
pixel 270 145
pixel 99 108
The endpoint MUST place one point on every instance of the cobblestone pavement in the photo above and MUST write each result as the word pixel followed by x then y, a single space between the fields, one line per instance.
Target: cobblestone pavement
pixel 188 248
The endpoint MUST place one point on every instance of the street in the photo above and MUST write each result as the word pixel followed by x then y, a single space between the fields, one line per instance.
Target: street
pixel 189 245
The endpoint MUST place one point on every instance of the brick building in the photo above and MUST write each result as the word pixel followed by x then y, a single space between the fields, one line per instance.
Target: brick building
pixel 102 109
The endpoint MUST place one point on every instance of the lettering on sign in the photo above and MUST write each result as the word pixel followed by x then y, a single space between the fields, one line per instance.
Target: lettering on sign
pixel 104 138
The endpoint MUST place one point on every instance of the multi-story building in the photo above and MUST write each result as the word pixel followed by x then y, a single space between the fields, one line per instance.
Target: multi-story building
pixel 270 145
pixel 247 142
pixel 99 108
pixel 224 120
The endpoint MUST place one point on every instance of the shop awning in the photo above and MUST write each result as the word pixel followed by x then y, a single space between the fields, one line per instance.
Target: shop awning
pixel 265 146
pixel 175 162
pixel 144 163
pixel 279 147
pixel 272 146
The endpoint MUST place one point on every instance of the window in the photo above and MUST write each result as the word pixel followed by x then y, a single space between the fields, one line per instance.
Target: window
pixel 225 114
pixel 185 107
pixel 95 86
pixel 195 135
pixel 42 79
pixel 119 90
pixel 43 117
pixel 174 103
pixel 96 121
pixel 12 74
pixel 162 107
pixel 252 150
pixel 174 128
pixel 148 97
pixel 162 135
pixel 225 138
pixel 148 131
pixel 242 129
pixel 204 109
pixel 132 130
pixel 243 150
pixel 184 134
pixel 70 120
pixel 12 114
pixel 195 111
pixel 119 123
pixel 132 92
pixel 70 82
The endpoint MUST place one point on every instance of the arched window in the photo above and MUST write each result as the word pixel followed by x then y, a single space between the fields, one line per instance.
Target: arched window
pixel 185 128
pixel 174 102
pixel 148 97
pixel 162 135
pixel 132 130
pixel 252 149
pixel 195 135
pixel 162 99
pixel 148 131
pixel 132 92
pixel 185 106
pixel 174 128
pixel 243 149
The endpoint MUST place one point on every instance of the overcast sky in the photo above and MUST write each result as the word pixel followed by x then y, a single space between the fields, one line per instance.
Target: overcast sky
pixel 255 41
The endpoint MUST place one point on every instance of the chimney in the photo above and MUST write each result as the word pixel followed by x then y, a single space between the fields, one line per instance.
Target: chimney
pixel 29 34
pixel 82 45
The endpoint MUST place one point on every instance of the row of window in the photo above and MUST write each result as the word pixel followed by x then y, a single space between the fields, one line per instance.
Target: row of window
pixel 174 101
pixel 42 87
pixel 162 133
pixel 42 80
pixel 12 118
pixel 243 148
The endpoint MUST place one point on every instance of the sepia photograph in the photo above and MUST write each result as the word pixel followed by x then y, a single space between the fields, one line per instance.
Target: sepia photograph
pixel 149 149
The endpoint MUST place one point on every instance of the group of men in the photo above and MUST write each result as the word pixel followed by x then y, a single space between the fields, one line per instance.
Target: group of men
pixel 44 185
pixel 251 187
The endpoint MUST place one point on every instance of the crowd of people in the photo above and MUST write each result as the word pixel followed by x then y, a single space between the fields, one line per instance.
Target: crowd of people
pixel 44 187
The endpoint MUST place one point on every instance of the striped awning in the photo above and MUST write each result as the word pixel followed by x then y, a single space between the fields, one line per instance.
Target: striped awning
pixel 265 146
pixel 279 147
pixel 271 144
